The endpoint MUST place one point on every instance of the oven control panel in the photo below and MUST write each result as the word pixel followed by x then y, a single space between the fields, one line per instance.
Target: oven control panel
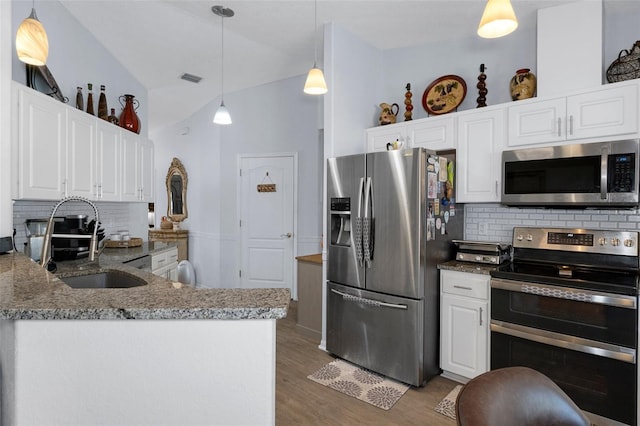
pixel 616 242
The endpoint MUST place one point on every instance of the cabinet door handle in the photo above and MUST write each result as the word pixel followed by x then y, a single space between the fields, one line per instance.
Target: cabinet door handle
pixel 462 287
pixel 559 127
pixel 480 316
pixel 571 124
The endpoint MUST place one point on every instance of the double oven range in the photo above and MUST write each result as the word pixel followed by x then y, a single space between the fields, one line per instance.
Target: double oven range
pixel 567 306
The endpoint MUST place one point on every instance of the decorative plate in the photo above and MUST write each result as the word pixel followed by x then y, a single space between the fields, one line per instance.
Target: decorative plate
pixel 444 95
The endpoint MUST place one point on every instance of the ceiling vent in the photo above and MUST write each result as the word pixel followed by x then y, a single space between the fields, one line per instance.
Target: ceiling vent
pixel 190 77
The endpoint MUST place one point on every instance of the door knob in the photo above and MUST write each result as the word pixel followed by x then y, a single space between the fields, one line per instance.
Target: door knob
pixel 287 235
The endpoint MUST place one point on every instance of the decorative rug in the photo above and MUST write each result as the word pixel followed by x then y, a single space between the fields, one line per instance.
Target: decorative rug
pixel 360 383
pixel 447 406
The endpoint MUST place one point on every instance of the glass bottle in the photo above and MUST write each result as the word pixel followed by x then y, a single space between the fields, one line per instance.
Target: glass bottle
pixel 113 118
pixel 79 99
pixel 90 100
pixel 103 112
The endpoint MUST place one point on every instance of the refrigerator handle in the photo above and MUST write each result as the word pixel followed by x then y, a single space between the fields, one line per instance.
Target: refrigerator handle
pixel 367 224
pixel 358 225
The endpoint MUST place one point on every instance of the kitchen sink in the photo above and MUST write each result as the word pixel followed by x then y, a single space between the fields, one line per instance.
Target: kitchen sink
pixel 108 279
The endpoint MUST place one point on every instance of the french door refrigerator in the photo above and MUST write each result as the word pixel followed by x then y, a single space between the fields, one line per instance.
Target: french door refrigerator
pixel 391 218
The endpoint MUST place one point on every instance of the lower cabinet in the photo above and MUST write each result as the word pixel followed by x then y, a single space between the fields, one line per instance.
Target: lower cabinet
pixel 165 264
pixel 464 324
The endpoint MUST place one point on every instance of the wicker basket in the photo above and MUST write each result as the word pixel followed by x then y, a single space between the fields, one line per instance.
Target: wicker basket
pixel 627 66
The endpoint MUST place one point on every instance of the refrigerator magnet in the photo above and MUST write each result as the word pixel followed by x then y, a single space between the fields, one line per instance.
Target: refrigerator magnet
pixel 432 185
pixel 442 177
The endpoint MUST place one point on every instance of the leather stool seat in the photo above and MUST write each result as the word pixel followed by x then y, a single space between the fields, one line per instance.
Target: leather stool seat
pixel 516 396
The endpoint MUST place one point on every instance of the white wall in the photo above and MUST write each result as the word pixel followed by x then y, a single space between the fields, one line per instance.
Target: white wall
pixel 275 117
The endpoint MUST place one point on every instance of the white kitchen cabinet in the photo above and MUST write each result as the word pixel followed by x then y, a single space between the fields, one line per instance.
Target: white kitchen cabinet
pixel 137 168
pixel 379 137
pixel 61 151
pixel 611 110
pixel 481 135
pixel 81 155
pixel 464 324
pixel 108 162
pixel 165 264
pixel 41 147
pixel 434 133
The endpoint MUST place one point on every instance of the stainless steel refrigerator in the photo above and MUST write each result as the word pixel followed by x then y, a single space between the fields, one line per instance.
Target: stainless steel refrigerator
pixel 391 218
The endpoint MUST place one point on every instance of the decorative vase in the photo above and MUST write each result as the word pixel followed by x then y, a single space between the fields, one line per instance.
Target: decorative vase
pixel 523 85
pixel 90 100
pixel 128 117
pixel 103 112
pixel 112 118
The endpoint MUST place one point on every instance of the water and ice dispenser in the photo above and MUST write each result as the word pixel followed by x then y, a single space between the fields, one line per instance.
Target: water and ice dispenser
pixel 340 221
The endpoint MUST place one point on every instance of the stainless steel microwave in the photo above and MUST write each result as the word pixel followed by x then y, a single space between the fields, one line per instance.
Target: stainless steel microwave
pixel 596 175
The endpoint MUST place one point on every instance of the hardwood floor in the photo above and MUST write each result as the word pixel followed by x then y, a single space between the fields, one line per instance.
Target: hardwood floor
pixel 300 401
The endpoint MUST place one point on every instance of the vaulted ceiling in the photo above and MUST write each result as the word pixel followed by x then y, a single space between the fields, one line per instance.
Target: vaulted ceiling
pixel 159 40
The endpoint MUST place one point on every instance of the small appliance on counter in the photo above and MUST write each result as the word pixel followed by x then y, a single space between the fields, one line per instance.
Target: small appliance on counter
pixel 72 248
pixel 482 252
pixel 35 230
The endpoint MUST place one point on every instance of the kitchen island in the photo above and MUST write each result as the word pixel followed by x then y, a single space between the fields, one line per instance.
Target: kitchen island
pixel 191 356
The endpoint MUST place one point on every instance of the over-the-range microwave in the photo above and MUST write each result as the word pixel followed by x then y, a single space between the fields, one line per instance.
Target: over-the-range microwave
pixel 599 175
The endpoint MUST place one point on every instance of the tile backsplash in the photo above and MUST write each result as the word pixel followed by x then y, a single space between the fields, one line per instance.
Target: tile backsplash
pixel 495 222
pixel 113 216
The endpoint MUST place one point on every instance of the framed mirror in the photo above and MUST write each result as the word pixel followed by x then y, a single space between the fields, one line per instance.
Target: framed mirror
pixel 176 191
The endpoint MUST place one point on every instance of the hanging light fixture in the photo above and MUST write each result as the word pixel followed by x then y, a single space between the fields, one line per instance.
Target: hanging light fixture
pixel 222 115
pixel 32 44
pixel 315 84
pixel 498 19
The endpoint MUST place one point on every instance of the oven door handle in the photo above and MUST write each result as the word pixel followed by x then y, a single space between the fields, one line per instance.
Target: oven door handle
pixel 579 295
pixel 587 346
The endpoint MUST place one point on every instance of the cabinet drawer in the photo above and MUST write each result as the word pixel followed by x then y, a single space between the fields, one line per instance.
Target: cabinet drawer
pixel 172 256
pixel 158 261
pixel 465 284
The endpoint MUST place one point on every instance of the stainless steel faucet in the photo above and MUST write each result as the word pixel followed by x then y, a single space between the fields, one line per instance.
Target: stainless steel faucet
pixel 45 256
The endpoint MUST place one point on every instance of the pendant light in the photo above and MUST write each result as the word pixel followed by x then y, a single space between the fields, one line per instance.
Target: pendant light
pixel 498 19
pixel 315 84
pixel 32 44
pixel 222 115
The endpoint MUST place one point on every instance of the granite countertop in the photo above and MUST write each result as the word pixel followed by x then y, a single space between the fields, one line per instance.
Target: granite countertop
pixel 28 291
pixel 124 254
pixel 474 268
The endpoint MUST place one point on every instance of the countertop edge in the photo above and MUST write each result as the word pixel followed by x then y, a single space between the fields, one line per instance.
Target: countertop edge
pixel 469 267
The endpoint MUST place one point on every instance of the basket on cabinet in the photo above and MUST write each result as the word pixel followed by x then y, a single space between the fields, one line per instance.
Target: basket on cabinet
pixel 627 66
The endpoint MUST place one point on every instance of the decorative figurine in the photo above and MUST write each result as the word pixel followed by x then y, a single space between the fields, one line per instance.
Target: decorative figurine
pixel 407 103
pixel 388 114
pixel 482 88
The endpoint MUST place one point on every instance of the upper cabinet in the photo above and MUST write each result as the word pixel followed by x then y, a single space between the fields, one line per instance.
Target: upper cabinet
pixel 137 168
pixel 379 137
pixel 434 133
pixel 41 150
pixel 61 151
pixel 481 135
pixel 609 111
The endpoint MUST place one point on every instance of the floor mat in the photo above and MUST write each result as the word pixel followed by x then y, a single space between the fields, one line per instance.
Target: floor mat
pixel 447 406
pixel 360 383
